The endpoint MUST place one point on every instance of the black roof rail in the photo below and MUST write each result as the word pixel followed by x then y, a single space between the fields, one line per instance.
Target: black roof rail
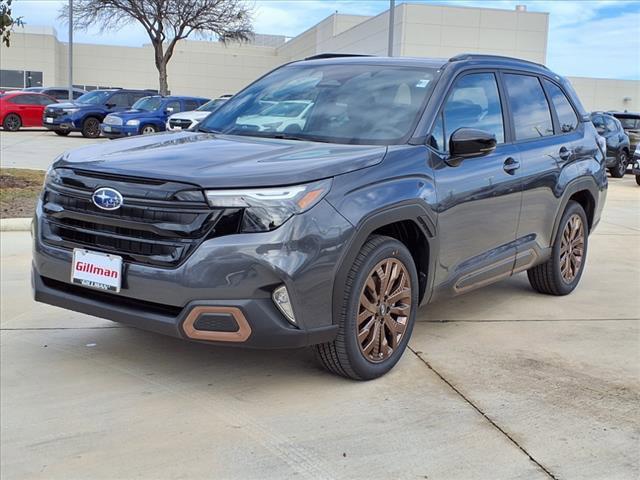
pixel 336 55
pixel 482 56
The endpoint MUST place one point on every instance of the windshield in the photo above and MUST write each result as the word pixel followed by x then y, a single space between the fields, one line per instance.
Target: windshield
pixel 629 123
pixel 348 103
pixel 96 97
pixel 148 104
pixel 211 105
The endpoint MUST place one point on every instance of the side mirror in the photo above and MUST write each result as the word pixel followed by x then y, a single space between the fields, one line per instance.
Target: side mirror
pixel 470 142
pixel 110 105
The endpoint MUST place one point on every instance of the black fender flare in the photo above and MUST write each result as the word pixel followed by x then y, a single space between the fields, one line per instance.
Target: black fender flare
pixel 579 184
pixel 412 211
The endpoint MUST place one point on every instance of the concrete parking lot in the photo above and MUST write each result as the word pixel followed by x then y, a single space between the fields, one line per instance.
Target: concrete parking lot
pixel 500 383
pixel 36 148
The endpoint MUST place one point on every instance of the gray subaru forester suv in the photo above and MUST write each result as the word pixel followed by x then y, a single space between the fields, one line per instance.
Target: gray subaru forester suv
pixel 325 202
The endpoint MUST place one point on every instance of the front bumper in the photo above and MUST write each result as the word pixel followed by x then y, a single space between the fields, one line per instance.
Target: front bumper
pixel 118 131
pixel 236 271
pixel 64 122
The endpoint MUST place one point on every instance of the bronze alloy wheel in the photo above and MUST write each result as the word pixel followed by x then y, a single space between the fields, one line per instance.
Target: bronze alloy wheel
pixel 572 248
pixel 383 313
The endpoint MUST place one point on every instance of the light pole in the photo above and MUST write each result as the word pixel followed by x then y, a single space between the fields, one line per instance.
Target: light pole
pixel 392 11
pixel 70 60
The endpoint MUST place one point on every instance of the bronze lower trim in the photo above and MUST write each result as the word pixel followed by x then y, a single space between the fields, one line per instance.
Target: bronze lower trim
pixel 244 330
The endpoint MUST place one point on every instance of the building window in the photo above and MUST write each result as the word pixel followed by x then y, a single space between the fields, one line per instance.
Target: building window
pixel 20 79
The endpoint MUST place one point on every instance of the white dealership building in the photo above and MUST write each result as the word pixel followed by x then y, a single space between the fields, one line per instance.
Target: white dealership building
pixel 209 68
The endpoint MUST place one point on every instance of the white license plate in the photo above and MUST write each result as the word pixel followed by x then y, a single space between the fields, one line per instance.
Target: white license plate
pixel 96 270
pixel 177 128
pixel 106 128
pixel 49 120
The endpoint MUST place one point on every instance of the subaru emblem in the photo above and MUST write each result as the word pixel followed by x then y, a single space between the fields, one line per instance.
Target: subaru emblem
pixel 107 198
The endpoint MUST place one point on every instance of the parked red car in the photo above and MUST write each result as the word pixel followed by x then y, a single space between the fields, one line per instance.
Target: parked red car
pixel 22 109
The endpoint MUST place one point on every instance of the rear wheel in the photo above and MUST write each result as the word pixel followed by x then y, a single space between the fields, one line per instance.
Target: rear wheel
pixel 148 130
pixel 377 313
pixel 91 128
pixel 12 122
pixel 638 179
pixel 62 133
pixel 620 168
pixel 561 273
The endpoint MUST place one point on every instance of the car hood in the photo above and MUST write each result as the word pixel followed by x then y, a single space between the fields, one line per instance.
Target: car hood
pixel 71 105
pixel 212 161
pixel 192 115
pixel 133 113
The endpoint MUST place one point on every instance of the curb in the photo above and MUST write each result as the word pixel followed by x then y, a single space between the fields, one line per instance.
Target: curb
pixel 15 224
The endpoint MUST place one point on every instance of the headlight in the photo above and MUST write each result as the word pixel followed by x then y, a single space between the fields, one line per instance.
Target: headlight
pixel 52 176
pixel 133 123
pixel 70 110
pixel 268 208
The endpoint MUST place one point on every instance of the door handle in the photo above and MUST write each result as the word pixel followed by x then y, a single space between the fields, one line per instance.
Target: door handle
pixel 564 153
pixel 511 165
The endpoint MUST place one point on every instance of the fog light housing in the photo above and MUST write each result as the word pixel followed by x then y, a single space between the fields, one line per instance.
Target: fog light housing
pixel 280 297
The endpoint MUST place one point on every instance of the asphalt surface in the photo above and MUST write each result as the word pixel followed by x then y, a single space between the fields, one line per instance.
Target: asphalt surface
pixel 501 383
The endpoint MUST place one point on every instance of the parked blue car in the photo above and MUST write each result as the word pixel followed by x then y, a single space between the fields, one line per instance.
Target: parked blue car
pixel 148 115
pixel 87 112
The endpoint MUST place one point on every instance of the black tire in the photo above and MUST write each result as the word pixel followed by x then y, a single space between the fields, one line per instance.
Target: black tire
pixel 12 122
pixel 62 133
pixel 638 179
pixel 148 129
pixel 620 168
pixel 547 277
pixel 91 127
pixel 345 356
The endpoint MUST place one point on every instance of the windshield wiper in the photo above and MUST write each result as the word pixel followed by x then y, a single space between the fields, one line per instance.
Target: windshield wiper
pixel 205 130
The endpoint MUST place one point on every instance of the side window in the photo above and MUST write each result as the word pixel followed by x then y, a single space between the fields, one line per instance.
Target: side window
pixel 474 102
pixel 566 115
pixel 531 115
pixel 44 100
pixel 77 94
pixel 436 139
pixel 174 104
pixel 611 124
pixel 28 100
pixel 190 105
pixel 59 94
pixel 119 100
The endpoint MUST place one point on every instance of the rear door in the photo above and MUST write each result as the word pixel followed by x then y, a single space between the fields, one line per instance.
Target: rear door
pixel 479 199
pixel 549 136
pixel 29 109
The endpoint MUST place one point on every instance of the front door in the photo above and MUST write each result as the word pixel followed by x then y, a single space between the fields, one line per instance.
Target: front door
pixel 479 200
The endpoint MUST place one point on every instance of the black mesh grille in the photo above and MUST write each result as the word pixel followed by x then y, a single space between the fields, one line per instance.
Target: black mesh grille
pixel 152 227
pixel 182 123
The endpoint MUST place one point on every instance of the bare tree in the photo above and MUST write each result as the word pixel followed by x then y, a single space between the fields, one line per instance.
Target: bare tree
pixel 7 22
pixel 166 22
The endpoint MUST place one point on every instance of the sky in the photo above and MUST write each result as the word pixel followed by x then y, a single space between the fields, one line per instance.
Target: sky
pixel 590 38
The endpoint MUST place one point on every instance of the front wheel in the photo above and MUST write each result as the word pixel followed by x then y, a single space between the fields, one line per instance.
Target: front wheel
pixel 561 273
pixel 91 128
pixel 12 122
pixel 620 168
pixel 377 312
pixel 148 130
pixel 638 179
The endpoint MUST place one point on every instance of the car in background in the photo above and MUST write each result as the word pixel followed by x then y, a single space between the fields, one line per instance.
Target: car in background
pixel 22 109
pixel 86 114
pixel 188 119
pixel 289 115
pixel 59 93
pixel 148 115
pixel 631 124
pixel 635 169
pixel 617 151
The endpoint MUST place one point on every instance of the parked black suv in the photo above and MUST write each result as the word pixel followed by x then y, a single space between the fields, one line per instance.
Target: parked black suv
pixel 618 147
pixel 86 113
pixel 630 122
pixel 409 180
